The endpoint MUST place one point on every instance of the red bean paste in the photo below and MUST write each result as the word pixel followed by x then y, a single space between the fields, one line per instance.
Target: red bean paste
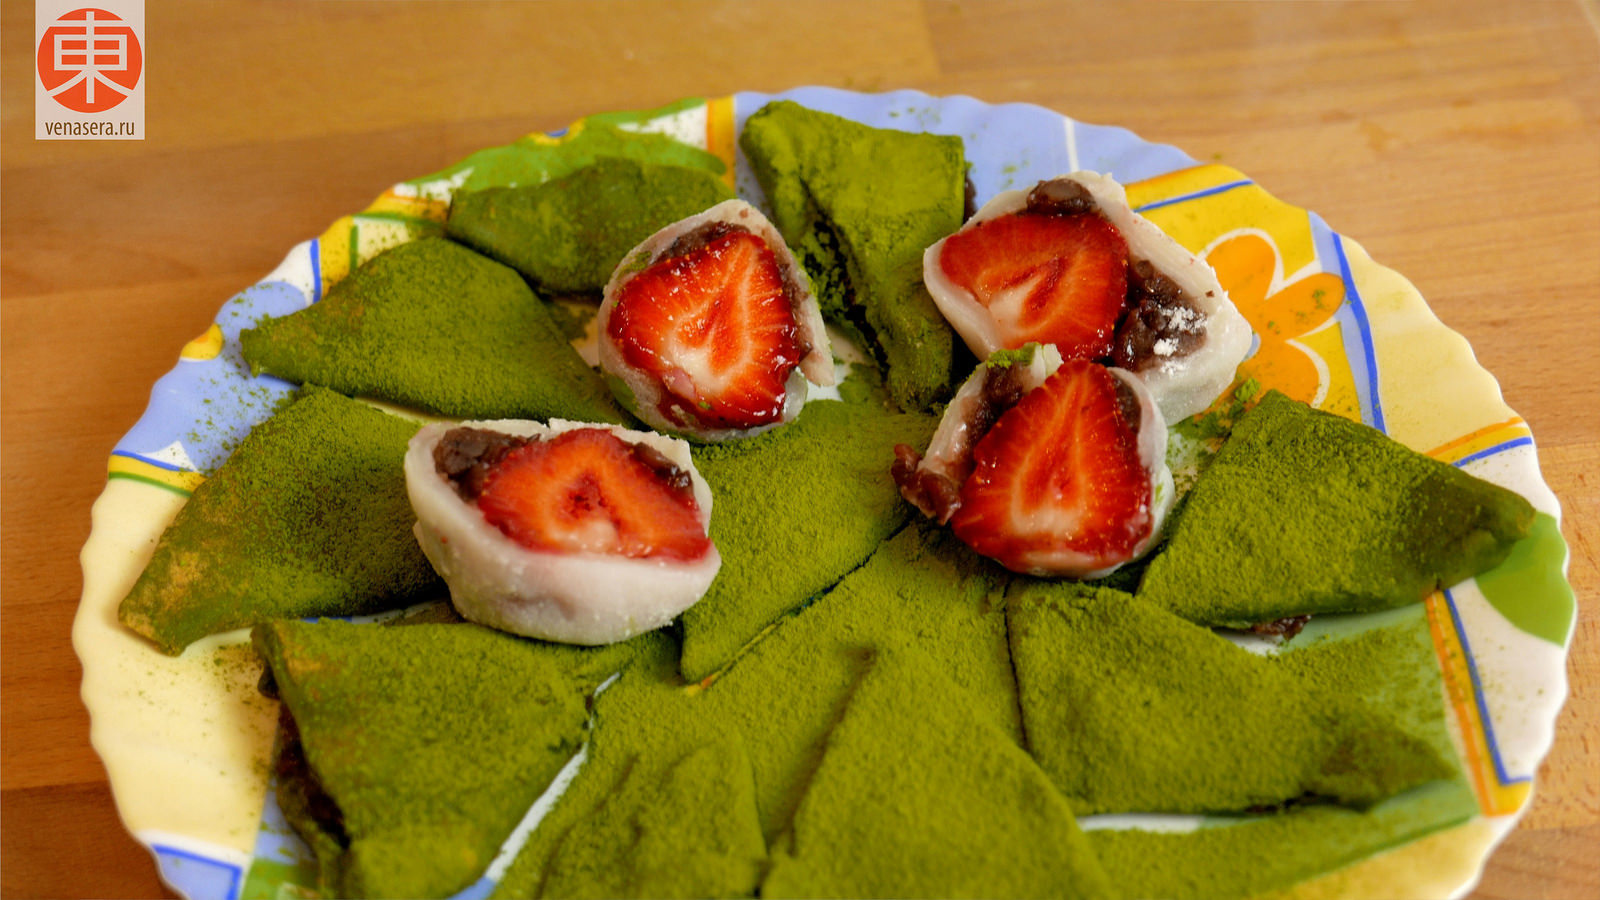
pixel 1159 321
pixel 938 494
pixel 464 457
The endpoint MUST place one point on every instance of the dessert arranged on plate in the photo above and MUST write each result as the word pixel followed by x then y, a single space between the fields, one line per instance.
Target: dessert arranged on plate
pixel 877 613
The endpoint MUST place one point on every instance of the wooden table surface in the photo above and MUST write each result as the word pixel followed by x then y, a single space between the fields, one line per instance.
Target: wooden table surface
pixel 1459 142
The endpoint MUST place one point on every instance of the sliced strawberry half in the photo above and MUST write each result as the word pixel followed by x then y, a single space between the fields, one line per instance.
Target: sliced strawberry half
pixel 716 328
pixel 588 491
pixel 1058 487
pixel 1055 279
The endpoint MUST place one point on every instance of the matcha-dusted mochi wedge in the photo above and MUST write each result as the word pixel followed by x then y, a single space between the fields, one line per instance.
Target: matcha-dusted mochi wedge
pixel 680 827
pixel 433 325
pixel 918 794
pixel 1305 512
pixel 412 751
pixel 567 235
pixel 858 205
pixel 1280 855
pixel 307 517
pixel 663 780
pixel 1218 728
pixel 796 509
pixel 538 158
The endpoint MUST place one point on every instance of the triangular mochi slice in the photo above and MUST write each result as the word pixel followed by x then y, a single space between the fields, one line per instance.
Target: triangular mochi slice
pixel 307 517
pixel 919 795
pixel 1305 512
pixel 1386 659
pixel 644 723
pixel 432 325
pixel 422 745
pixel 538 158
pixel 674 827
pixel 857 206
pixel 1132 709
pixel 796 509
pixel 1256 855
pixel 567 235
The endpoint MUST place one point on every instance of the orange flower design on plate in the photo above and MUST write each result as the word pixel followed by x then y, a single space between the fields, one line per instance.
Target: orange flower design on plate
pixel 1251 270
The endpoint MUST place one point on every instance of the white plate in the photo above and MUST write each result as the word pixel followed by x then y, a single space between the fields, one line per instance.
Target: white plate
pixel 186 741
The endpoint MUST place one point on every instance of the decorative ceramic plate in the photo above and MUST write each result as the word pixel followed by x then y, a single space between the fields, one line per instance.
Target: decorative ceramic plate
pixel 187 740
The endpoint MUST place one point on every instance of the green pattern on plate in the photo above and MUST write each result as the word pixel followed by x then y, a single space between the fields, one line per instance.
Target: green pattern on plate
pixel 1529 589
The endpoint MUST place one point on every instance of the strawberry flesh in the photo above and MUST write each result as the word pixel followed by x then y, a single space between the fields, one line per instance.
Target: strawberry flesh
pixel 1057 485
pixel 588 491
pixel 715 326
pixel 1049 277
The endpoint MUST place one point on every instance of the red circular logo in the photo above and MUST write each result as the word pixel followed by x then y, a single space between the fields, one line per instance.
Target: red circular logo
pixel 89 60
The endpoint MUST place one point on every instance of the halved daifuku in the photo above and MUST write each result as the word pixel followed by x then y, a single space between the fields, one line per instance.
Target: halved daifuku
pixel 709 329
pixel 1050 467
pixel 932 481
pixel 1069 263
pixel 571 532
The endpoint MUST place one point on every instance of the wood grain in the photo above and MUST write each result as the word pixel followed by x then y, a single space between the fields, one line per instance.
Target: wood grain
pixel 1459 142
